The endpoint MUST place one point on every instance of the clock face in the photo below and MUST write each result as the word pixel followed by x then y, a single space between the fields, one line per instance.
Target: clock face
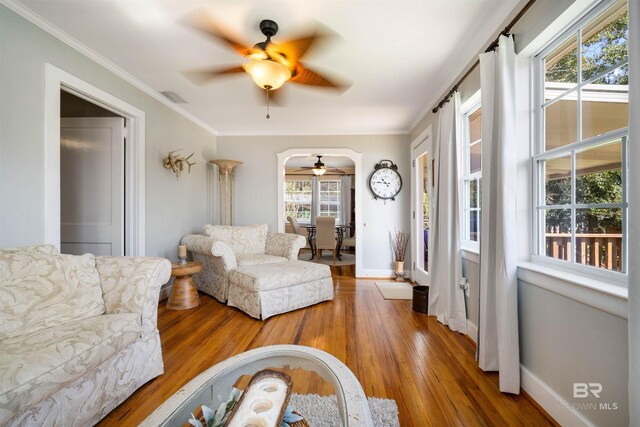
pixel 385 183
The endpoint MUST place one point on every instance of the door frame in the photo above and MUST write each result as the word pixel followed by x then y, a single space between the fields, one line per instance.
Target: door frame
pixel 134 197
pixel 359 183
pixel 418 274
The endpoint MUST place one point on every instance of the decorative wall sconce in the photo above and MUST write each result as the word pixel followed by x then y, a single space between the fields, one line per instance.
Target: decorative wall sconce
pixel 225 169
pixel 176 162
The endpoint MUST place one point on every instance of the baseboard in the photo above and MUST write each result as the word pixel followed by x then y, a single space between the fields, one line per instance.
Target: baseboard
pixel 378 274
pixel 558 408
pixel 472 331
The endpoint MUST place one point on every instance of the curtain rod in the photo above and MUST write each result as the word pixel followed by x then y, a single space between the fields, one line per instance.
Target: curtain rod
pixel 492 46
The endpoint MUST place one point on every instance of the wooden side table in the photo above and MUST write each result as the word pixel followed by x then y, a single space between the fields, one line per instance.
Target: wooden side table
pixel 184 294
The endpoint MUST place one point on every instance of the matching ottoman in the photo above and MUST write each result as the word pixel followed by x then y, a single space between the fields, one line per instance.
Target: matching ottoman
pixel 265 290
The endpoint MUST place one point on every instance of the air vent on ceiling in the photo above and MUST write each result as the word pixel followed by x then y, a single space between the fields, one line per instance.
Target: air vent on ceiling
pixel 173 97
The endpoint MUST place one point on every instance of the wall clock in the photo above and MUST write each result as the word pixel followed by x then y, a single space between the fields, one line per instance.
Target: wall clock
pixel 385 182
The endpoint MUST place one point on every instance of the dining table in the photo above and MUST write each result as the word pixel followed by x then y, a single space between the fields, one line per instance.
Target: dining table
pixel 340 232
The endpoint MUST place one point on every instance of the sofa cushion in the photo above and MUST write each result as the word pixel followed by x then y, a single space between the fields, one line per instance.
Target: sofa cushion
pixel 266 277
pixel 243 239
pixel 38 291
pixel 34 249
pixel 255 259
pixel 35 365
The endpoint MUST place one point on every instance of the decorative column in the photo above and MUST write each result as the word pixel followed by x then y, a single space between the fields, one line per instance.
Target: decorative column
pixel 225 170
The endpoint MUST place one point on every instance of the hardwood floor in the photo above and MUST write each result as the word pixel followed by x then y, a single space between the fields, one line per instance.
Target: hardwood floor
pixel 395 352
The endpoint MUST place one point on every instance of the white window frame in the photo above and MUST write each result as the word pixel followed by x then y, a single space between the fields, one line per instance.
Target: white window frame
pixel 467 109
pixel 336 203
pixel 539 155
pixel 301 179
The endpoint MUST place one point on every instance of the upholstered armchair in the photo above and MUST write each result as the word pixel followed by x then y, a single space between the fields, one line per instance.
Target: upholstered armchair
pixel 223 248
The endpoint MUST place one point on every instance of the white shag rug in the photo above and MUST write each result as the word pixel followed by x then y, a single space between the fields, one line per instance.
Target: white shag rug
pixel 322 411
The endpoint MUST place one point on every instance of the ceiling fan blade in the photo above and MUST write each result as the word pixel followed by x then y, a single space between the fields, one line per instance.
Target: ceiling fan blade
pixel 336 170
pixel 202 76
pixel 300 46
pixel 306 76
pixel 201 21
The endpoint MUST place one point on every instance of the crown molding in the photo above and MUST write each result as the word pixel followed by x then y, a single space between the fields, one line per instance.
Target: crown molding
pixel 56 32
pixel 314 133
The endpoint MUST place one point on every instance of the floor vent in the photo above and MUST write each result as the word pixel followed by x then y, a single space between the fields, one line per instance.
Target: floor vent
pixel 173 97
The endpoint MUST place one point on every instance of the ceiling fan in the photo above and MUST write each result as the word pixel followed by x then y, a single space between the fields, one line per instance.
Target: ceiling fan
pixel 271 65
pixel 319 168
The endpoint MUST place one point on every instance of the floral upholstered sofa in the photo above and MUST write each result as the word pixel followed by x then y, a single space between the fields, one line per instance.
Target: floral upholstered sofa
pixel 78 334
pixel 223 248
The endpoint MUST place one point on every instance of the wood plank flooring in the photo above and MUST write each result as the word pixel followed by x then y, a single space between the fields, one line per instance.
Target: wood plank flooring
pixel 395 352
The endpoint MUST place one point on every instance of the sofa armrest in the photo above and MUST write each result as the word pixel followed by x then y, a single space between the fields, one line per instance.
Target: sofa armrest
pixel 206 245
pixel 285 244
pixel 132 285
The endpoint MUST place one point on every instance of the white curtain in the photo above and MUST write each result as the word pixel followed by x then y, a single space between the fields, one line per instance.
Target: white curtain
pixel 498 348
pixel 634 213
pixel 446 298
pixel 345 200
pixel 315 198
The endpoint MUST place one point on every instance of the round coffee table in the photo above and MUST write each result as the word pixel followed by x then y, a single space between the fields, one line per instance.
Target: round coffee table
pixel 184 294
pixel 308 367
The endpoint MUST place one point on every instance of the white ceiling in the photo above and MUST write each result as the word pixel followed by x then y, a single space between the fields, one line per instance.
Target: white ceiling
pixel 398 55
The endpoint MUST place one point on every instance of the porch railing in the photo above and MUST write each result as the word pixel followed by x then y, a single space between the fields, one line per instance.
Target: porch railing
pixel 599 250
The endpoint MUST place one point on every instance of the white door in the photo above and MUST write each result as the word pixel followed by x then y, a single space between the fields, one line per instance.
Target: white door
pixel 420 195
pixel 92 185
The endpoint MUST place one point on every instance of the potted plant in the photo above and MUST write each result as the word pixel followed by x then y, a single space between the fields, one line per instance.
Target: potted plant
pixel 399 242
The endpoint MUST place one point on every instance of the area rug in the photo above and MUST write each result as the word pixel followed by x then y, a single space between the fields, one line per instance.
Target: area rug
pixel 395 290
pixel 327 258
pixel 323 410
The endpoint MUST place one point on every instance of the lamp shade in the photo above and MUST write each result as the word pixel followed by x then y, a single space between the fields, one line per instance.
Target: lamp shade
pixel 319 171
pixel 268 74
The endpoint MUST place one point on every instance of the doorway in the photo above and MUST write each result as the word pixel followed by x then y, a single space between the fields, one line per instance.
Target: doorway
pixel 422 182
pixel 355 159
pixel 92 171
pixel 132 209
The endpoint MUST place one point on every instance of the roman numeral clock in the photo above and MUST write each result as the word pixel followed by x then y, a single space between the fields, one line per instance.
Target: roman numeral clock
pixel 385 182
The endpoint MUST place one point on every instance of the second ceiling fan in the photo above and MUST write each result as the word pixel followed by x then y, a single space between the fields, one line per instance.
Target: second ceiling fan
pixel 319 168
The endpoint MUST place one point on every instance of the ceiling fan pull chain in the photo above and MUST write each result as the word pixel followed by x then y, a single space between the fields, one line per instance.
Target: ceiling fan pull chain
pixel 268 90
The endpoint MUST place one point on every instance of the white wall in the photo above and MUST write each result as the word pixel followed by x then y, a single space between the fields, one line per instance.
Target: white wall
pixel 173 208
pixel 255 185
pixel 562 341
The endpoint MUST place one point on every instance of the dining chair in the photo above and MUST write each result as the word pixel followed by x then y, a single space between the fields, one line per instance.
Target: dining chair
pixel 300 231
pixel 326 236
pixel 349 241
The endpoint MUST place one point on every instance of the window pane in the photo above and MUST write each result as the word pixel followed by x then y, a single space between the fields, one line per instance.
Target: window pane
pixel 473 193
pixel 475 126
pixel 475 157
pixel 599 238
pixel 561 66
pixel 557 179
pixel 605 104
pixel 474 226
pixel 558 233
pixel 599 174
pixel 561 122
pixel 605 41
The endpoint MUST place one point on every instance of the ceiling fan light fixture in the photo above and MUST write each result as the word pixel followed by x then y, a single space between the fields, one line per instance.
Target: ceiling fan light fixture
pixel 268 74
pixel 319 171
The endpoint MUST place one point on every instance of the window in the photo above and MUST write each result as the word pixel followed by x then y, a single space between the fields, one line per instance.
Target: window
pixel 330 198
pixel 580 160
pixel 297 200
pixel 472 171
